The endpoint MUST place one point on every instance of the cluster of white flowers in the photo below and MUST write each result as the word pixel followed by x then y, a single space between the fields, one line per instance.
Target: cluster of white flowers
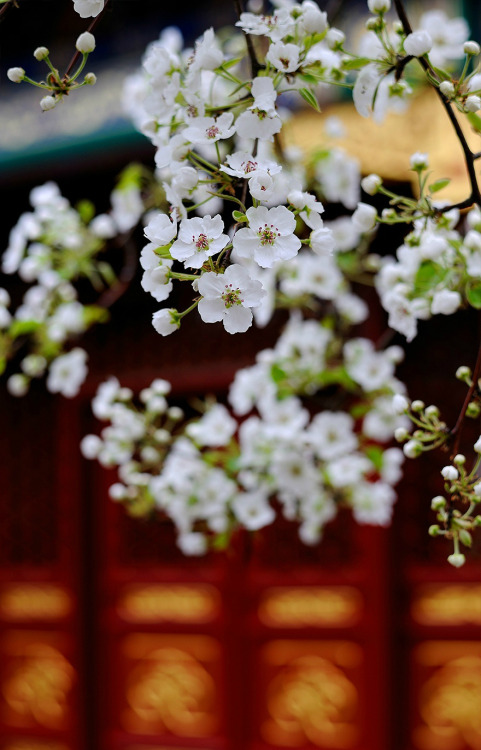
pixel 211 475
pixel 240 217
pixel 50 248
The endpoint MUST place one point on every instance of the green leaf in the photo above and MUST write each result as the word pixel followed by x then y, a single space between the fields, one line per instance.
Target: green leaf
pixel 95 314
pixel 239 216
pixel 277 373
pixel 86 209
pixel 356 64
pixel 435 187
pixel 163 252
pixel 23 327
pixel 3 364
pixel 473 293
pixel 474 120
pixel 131 176
pixel 229 63
pixel 429 274
pixel 375 455
pixel 309 97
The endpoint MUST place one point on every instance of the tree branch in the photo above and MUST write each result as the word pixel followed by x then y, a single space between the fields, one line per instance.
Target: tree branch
pixel 469 157
pixel 255 64
pixel 78 54
pixel 456 431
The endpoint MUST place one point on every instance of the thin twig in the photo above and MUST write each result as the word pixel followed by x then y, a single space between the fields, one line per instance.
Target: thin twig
pixel 77 54
pixel 469 157
pixel 125 277
pixel 456 431
pixel 255 64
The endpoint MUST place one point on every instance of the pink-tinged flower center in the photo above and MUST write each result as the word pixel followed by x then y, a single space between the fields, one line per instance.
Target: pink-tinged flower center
pixel 284 61
pixel 251 166
pixel 231 296
pixel 212 132
pixel 201 243
pixel 268 234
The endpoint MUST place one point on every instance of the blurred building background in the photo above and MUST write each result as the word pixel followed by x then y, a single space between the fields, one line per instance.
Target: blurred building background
pixel 109 638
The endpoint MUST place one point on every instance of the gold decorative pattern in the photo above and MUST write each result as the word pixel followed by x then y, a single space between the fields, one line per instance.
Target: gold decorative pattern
pixel 36 686
pixel 310 698
pixel 450 699
pixel 314 606
pixel 170 690
pixel 181 603
pixel 447 604
pixel 34 601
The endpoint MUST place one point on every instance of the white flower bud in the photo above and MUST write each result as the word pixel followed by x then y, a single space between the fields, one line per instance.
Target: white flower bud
pixel 400 404
pixel 379 6
pixel 447 88
pixel 417 405
pixel 175 413
pixel 371 184
pixel 90 79
pixel 118 491
pixel 17 385
pixel 456 559
pixel 449 473
pixel 438 502
pixel 85 43
pixel 41 53
pixel 90 446
pixel 431 411
pixel 472 103
pixel 477 445
pixel 463 373
pixel 418 43
pixel 471 48
pixel 335 38
pixel 419 161
pixel 48 102
pixel 364 217
pixel 16 74
pixel 412 449
pixel 459 459
pixel 401 434
pixel 477 489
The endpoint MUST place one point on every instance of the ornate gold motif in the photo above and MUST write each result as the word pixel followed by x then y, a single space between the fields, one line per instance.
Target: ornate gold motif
pixel 34 601
pixel 36 687
pixel 447 604
pixel 169 603
pixel 311 699
pixel 170 691
pixel 318 606
pixel 450 700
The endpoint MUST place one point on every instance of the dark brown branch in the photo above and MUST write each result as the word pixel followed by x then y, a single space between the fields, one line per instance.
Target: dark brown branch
pixel 456 431
pixel 125 278
pixel 5 8
pixel 78 54
pixel 469 157
pixel 255 64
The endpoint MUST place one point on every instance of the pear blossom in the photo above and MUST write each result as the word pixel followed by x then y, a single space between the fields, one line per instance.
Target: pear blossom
pixel 418 43
pixel 228 297
pixel 165 321
pixel 199 239
pixel 88 8
pixel 284 57
pixel 67 373
pixel 244 164
pixel 269 237
pixel 204 130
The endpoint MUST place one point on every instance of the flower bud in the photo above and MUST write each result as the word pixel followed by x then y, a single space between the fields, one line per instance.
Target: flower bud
pixel 438 503
pixel 471 48
pixel 379 6
pixel 17 385
pixel 417 405
pixel 371 184
pixel 447 88
pixel 401 434
pixel 457 560
pixel 335 38
pixel 175 412
pixel 449 473
pixel 41 53
pixel 473 410
pixel 465 538
pixel 431 411
pixel 434 530
pixel 16 75
pixel 419 161
pixel 472 103
pixel 477 445
pixel 418 43
pixel 477 489
pixel 85 43
pixel 400 404
pixel 463 373
pixel 48 102
pixel 459 459
pixel 364 217
pixel 412 449
pixel 90 79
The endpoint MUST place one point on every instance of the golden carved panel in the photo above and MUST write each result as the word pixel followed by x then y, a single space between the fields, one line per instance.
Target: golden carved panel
pixel 450 696
pixel 311 696
pixel 313 606
pixel 447 604
pixel 181 603
pixel 34 601
pixel 170 686
pixel 36 683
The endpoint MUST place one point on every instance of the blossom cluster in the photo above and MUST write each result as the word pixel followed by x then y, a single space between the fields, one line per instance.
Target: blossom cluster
pixel 51 248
